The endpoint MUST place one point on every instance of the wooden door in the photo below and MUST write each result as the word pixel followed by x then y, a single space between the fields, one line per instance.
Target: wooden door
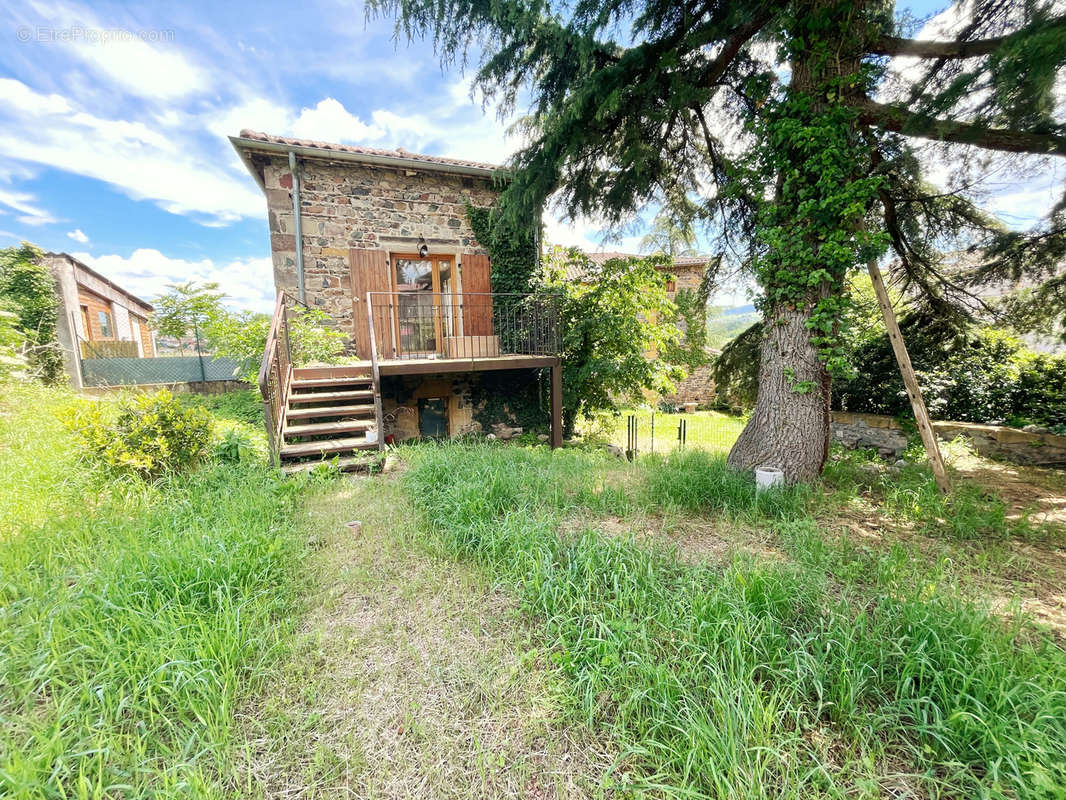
pixel 370 273
pixel 477 302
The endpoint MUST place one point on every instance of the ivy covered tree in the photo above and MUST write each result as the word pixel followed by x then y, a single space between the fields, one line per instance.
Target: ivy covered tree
pixel 780 126
pixel 27 290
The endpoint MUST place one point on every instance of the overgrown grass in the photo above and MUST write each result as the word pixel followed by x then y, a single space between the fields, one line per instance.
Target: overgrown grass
pixel 755 679
pixel 135 616
pixel 910 494
pixel 242 406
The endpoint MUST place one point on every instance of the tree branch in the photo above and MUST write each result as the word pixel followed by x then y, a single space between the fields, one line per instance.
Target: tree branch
pixel 740 37
pixel 921 48
pixel 900 120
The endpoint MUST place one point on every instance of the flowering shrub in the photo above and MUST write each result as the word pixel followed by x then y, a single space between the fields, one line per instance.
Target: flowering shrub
pixel 151 435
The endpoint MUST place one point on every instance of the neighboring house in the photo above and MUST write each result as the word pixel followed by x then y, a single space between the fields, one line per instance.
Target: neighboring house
pixel 683 273
pixel 97 317
pixel 380 241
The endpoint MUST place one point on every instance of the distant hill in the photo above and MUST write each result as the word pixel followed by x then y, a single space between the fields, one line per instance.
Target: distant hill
pixel 739 310
pixel 724 325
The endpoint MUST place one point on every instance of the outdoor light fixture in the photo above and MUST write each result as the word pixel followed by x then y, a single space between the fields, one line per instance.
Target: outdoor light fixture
pixel 423 248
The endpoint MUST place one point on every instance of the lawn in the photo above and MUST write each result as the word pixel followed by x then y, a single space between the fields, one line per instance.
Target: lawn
pixel 511 621
pixel 660 432
pixel 136 616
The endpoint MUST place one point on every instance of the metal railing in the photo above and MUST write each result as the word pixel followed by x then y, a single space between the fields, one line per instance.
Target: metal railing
pixel 275 372
pixel 427 325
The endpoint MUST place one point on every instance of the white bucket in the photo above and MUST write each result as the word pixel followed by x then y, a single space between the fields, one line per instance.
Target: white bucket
pixel 768 478
pixel 371 436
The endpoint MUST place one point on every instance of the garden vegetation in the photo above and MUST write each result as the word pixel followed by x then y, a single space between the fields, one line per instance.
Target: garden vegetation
pixel 147 589
pixel 839 673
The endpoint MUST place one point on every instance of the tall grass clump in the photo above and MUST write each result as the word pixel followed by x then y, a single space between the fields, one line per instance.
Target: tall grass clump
pixel 910 493
pixel 136 616
pixel 698 481
pixel 753 679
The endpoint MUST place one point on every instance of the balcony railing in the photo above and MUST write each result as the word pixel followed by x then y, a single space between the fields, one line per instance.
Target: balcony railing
pixel 436 325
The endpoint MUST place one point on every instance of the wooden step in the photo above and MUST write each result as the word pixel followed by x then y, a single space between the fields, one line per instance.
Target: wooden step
pixel 336 371
pixel 313 383
pixel 323 428
pixel 326 446
pixel 319 397
pixel 346 464
pixel 304 412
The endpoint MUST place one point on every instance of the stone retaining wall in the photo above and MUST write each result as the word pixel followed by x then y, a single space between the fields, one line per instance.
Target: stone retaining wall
pixel 886 435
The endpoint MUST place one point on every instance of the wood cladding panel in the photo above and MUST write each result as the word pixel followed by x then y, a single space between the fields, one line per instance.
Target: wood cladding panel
pixel 370 273
pixel 477 304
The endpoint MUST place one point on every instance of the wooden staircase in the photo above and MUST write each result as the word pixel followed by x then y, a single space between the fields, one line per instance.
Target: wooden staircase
pixel 328 412
pixel 316 413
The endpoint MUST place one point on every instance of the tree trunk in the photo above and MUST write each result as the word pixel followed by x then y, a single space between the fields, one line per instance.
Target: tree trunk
pixel 789 428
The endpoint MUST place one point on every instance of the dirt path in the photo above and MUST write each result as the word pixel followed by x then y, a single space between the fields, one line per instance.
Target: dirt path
pixel 412 678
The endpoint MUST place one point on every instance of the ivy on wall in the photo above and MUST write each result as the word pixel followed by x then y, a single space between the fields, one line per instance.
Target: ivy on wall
pixel 512 249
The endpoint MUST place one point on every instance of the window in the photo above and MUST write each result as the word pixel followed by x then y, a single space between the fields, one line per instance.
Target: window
pixel 671 286
pixel 105 324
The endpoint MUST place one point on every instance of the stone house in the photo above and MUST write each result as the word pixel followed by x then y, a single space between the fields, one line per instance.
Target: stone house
pixel 685 273
pixel 97 317
pixel 380 241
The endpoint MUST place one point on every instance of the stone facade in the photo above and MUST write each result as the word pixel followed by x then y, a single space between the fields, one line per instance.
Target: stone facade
pixel 885 435
pixel 697 387
pixel 460 392
pixel 346 205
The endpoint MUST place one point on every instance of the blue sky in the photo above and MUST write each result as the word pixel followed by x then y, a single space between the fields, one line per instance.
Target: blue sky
pixel 113 146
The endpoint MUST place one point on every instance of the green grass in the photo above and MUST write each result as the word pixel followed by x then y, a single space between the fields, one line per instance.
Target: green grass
pixel 135 617
pixel 705 430
pixel 241 406
pixel 837 674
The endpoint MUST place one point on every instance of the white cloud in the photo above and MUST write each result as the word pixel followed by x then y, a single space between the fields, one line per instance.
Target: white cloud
pixel 146 63
pixel 247 283
pixel 180 175
pixel 25 205
pixel 330 121
pixel 78 236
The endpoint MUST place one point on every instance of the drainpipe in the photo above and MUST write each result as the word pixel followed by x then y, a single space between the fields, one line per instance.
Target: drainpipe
pixel 300 292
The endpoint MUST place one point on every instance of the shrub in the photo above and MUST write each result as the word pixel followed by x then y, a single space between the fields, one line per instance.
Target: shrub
pixel 151 435
pixel 235 447
pixel 12 360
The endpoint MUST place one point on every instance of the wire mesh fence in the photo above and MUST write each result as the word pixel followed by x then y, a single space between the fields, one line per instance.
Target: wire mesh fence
pixel 115 364
pixel 651 431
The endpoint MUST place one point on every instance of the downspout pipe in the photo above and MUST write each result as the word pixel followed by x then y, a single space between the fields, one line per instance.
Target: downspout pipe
pixel 301 292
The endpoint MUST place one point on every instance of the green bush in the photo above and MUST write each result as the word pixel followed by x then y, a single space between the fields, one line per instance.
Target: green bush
pixel 970 374
pixel 28 290
pixel 151 435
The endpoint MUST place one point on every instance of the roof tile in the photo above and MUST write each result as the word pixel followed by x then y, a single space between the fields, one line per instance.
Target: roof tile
pixel 399 152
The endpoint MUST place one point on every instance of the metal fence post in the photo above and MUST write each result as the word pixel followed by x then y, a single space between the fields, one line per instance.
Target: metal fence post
pixel 199 354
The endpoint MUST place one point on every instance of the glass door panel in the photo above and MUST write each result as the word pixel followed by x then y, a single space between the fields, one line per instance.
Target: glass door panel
pixel 415 315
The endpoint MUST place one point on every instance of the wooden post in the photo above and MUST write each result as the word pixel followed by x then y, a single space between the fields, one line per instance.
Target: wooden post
pixel 906 369
pixel 557 405
pixel 379 418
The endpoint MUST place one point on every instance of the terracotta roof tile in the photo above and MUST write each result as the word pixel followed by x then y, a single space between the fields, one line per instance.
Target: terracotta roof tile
pixel 399 152
pixel 576 272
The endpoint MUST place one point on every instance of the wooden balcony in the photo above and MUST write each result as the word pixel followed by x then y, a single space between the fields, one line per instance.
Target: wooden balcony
pixel 424 332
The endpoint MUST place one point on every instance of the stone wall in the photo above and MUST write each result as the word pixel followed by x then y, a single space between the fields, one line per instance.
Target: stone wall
pixel 698 387
pixel 466 397
pixel 355 205
pixel 886 435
